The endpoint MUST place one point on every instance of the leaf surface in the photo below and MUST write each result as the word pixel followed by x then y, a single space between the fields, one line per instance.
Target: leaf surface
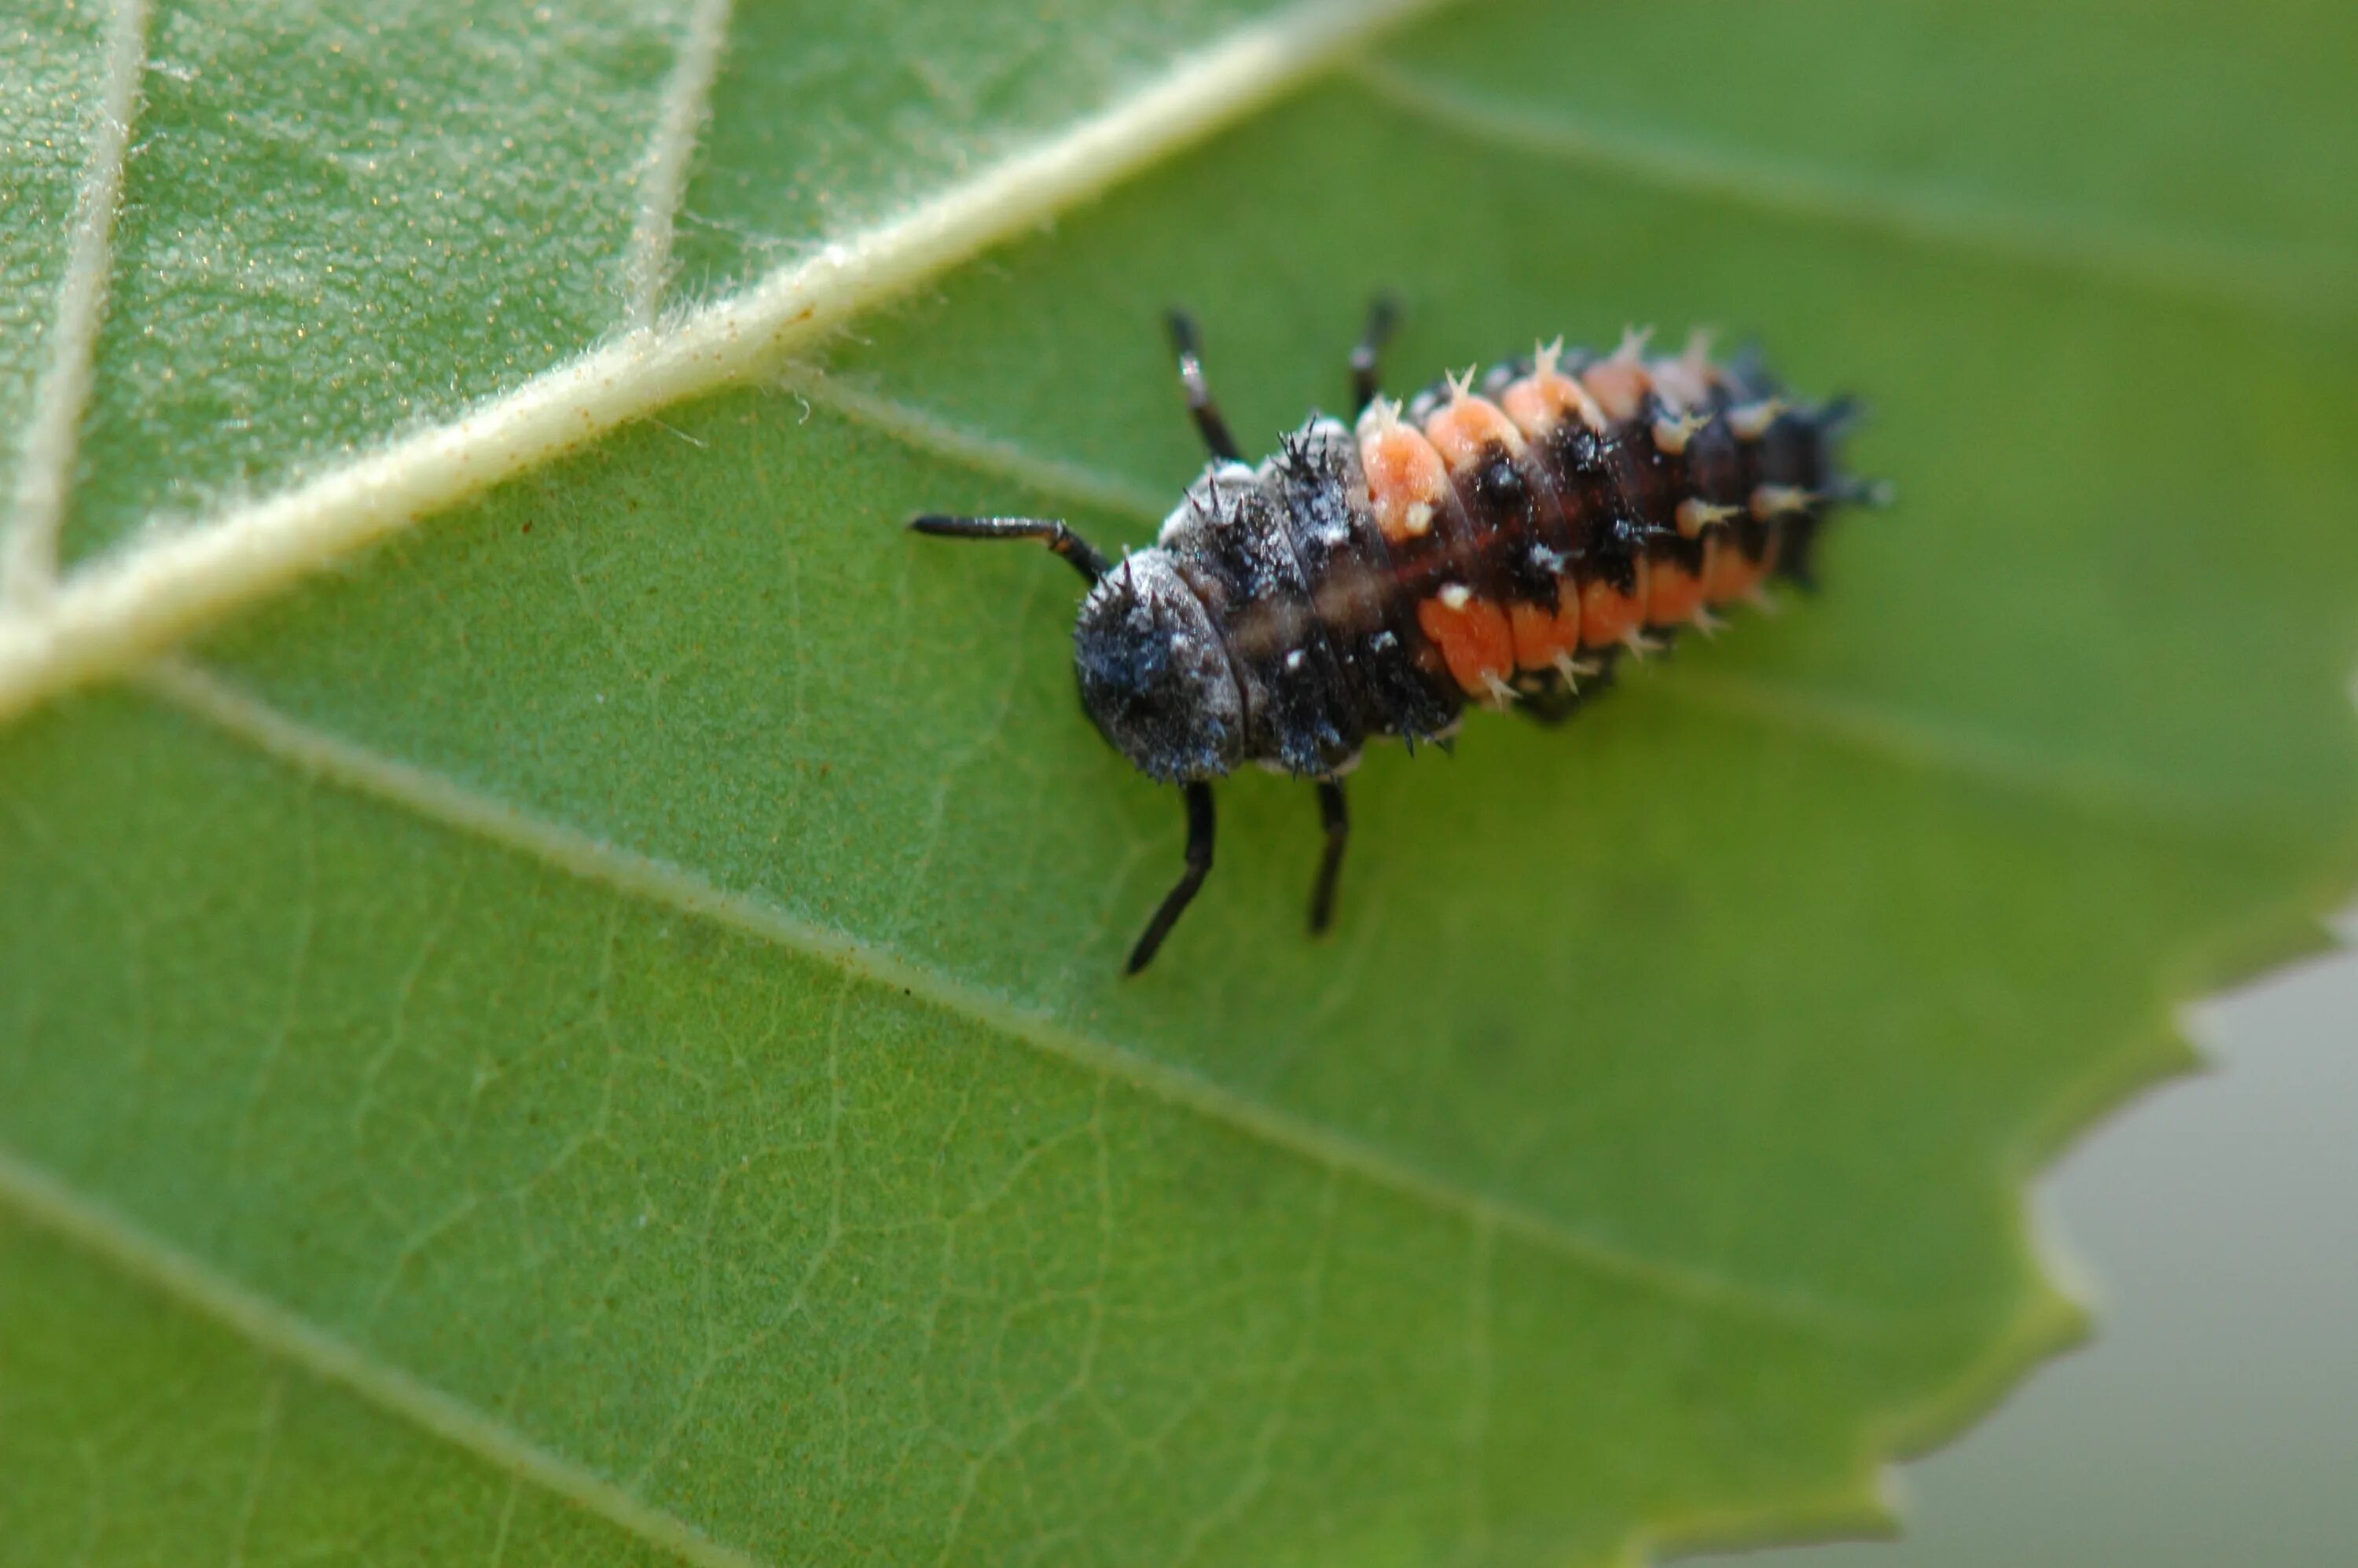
pixel 592 1029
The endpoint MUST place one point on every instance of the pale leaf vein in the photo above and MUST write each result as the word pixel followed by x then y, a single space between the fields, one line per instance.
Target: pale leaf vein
pixel 120 610
pixel 28 554
pixel 2146 260
pixel 450 805
pixel 41 1199
pixel 687 101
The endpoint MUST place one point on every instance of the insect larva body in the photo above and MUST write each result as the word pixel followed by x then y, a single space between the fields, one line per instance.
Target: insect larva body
pixel 1501 540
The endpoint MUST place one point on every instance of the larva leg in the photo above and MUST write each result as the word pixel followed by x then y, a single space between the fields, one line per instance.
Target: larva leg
pixel 1199 865
pixel 1085 556
pixel 1335 815
pixel 1207 412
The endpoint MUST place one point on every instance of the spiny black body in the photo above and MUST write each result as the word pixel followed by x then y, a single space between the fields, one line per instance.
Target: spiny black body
pixel 1507 545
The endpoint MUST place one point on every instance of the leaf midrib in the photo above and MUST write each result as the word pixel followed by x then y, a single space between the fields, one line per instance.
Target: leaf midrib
pixel 1285 50
pixel 126 607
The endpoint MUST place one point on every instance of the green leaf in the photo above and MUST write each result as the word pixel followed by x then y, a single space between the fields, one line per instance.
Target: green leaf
pixel 590 1030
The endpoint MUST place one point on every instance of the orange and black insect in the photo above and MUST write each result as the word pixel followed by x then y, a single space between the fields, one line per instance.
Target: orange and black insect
pixel 1505 539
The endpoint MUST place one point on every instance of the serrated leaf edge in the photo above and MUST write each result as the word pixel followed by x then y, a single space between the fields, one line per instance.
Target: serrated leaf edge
pixel 1856 1499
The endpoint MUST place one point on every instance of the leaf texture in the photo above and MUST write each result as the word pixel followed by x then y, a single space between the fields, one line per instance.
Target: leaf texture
pixel 589 1030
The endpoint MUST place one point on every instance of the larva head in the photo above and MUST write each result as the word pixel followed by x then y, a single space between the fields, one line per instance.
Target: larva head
pixel 1155 677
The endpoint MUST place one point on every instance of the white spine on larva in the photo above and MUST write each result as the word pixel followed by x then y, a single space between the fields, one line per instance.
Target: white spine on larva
pixel 1752 421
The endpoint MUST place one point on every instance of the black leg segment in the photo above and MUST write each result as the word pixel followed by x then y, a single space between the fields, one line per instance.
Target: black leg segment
pixel 1199 864
pixel 1083 554
pixel 1207 412
pixel 1335 815
pixel 1383 315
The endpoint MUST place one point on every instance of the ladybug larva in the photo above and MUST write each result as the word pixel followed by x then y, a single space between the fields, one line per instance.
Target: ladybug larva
pixel 1503 539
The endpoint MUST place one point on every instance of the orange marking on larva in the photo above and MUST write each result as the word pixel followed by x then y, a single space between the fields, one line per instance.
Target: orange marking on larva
pixel 1728 576
pixel 1406 480
pixel 1673 594
pixel 1472 634
pixel 1618 385
pixel 1539 403
pixel 1464 429
pixel 1608 615
pixel 1722 570
pixel 1541 636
